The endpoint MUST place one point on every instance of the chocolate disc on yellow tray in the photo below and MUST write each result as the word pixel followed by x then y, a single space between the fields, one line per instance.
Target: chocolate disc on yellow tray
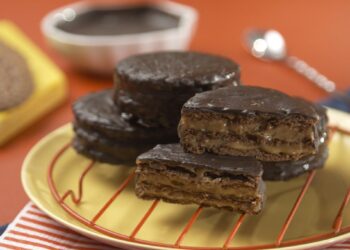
pixel 16 83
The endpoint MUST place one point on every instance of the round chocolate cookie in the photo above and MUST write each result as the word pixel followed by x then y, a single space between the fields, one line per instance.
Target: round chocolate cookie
pixel 175 72
pixel 153 87
pixel 98 147
pixel 16 83
pixel 97 112
pixel 285 170
pixel 102 134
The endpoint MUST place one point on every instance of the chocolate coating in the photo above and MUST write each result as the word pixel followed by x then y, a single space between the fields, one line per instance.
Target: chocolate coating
pixel 98 147
pixel 285 170
pixel 152 111
pixel 175 72
pixel 97 112
pixel 253 100
pixel 230 164
pixel 16 81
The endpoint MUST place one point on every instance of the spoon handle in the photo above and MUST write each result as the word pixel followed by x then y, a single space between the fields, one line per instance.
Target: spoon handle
pixel 310 73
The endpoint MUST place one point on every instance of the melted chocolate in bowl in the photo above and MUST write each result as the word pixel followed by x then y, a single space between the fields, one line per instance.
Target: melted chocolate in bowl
pixel 120 21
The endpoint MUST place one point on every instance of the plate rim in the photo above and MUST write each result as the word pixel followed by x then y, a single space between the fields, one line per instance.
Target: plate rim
pixel 26 183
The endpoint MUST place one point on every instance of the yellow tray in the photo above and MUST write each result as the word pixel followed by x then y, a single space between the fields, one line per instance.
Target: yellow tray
pixel 314 216
pixel 49 82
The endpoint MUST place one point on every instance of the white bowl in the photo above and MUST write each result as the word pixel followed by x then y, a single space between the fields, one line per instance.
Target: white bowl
pixel 99 54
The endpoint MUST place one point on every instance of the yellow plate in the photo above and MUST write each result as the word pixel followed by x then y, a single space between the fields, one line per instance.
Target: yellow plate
pixel 315 215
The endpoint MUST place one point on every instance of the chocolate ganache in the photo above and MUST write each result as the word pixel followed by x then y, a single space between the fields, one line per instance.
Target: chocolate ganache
pixel 119 21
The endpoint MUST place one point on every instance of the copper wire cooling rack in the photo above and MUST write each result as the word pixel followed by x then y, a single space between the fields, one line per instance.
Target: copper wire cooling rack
pixel 336 228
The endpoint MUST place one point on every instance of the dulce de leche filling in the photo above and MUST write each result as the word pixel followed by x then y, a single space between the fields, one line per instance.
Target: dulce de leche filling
pixel 197 183
pixel 249 134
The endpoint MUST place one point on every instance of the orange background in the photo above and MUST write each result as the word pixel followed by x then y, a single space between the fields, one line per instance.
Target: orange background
pixel 316 31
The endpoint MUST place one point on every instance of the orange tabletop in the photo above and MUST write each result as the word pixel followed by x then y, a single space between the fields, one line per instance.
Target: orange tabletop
pixel 316 31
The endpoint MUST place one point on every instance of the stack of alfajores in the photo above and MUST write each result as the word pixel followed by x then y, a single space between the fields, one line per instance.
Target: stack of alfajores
pixel 144 108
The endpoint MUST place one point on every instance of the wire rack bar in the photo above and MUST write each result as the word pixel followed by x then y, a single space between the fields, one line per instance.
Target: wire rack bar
pixel 115 195
pixel 70 192
pixel 314 238
pixel 295 207
pixel 50 172
pixel 188 226
pixel 234 231
pixel 337 224
pixel 143 220
pixel 339 218
pixel 331 133
pixel 339 130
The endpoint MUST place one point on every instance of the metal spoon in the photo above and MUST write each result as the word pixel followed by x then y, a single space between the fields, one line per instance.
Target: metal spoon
pixel 270 45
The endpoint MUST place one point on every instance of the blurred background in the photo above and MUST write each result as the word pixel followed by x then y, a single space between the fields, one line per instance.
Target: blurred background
pixel 316 31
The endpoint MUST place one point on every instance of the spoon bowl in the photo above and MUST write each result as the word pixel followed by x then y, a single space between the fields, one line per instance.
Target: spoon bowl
pixel 266 44
pixel 269 45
